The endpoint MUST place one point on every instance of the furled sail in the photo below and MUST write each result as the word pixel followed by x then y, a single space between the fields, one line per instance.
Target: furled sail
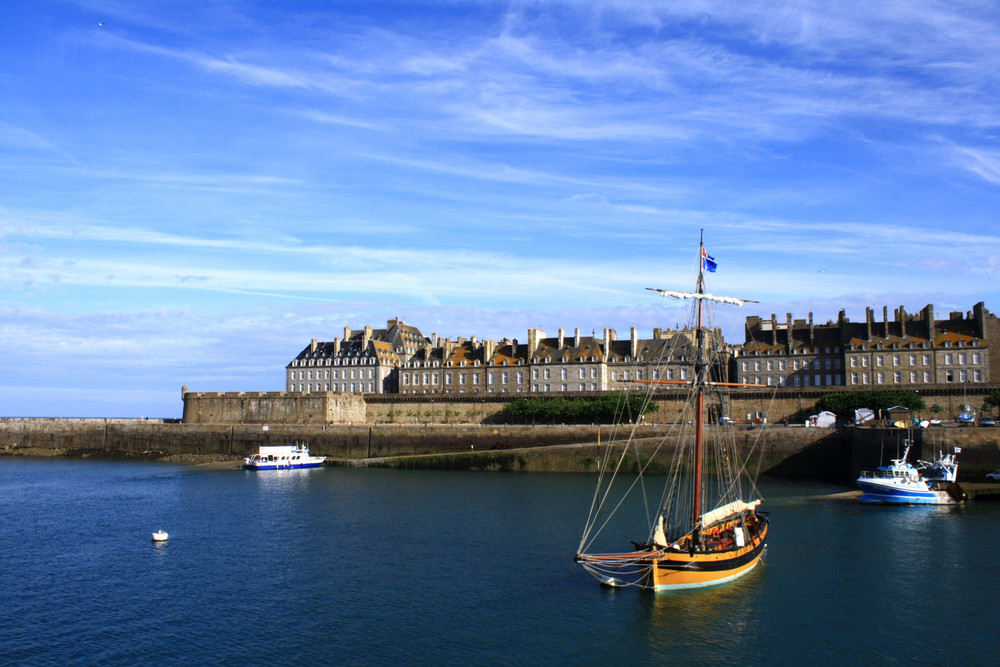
pixel 728 509
pixel 660 535
pixel 704 297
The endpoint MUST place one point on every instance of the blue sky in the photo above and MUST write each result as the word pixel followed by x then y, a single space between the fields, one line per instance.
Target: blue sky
pixel 191 191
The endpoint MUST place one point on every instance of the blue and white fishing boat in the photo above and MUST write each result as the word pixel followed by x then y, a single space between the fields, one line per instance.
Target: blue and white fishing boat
pixel 280 457
pixel 927 483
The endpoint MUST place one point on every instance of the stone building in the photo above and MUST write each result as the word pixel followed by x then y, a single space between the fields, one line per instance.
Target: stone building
pixel 907 351
pixel 364 361
pixel 547 364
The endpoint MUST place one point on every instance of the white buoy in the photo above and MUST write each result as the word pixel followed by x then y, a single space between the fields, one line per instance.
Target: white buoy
pixel 160 536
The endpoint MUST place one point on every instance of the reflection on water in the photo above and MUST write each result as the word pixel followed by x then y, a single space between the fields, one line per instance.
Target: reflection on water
pixel 718 618
pixel 358 566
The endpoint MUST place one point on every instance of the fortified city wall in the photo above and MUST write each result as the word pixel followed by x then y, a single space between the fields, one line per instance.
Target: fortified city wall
pixel 329 408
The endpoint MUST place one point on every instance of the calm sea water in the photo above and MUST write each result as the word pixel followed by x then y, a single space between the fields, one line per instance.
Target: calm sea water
pixel 348 566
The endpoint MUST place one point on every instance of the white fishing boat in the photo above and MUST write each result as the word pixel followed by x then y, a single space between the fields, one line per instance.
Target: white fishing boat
pixel 705 527
pixel 160 536
pixel 279 457
pixel 927 483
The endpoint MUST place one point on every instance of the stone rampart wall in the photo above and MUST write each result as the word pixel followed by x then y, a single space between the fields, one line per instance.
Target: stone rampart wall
pixel 326 408
pixel 273 408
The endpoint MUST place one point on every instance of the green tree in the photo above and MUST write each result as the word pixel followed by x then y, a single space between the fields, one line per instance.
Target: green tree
pixel 843 404
pixel 993 399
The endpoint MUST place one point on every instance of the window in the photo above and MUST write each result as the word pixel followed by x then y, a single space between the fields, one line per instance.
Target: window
pixel 913 377
pixel 880 378
pixel 879 360
pixel 897 377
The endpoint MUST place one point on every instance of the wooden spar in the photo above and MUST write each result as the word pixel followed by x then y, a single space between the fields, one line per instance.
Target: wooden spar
pixel 699 400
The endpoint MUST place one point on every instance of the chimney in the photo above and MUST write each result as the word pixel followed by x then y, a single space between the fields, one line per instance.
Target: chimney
pixel 336 347
pixel 312 345
pixel 347 334
pixel 885 321
pixel 634 337
pixel 609 337
pixel 490 348
pixel 928 314
pixel 534 338
pixel 576 337
pixel 869 316
pixel 811 329
pixel 774 329
pixel 562 336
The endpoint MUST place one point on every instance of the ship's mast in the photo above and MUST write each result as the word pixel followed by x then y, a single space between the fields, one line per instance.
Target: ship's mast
pixel 699 381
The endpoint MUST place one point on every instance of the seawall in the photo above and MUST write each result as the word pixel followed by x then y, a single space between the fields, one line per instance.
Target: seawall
pixel 822 454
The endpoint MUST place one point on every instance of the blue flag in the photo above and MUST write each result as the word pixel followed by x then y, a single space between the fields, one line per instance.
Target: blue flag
pixel 707 261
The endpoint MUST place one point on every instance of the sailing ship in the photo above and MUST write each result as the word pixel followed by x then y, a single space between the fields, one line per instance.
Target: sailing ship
pixel 706 527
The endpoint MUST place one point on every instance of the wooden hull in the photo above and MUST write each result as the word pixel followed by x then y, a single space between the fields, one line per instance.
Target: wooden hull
pixel 678 570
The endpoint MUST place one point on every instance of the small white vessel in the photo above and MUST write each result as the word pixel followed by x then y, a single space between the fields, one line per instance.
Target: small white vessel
pixel 160 536
pixel 927 483
pixel 277 457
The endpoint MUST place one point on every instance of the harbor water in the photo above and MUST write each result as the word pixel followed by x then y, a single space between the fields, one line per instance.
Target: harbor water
pixel 362 566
